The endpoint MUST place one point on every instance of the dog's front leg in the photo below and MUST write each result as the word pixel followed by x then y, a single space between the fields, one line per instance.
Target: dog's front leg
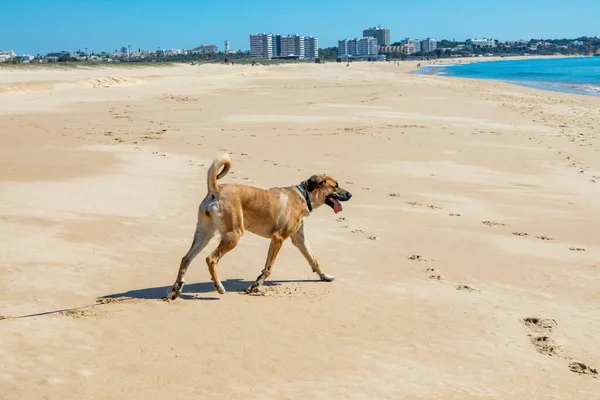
pixel 276 243
pixel 301 243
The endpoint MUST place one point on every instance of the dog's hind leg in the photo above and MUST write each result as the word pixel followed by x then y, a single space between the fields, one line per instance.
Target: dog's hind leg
pixel 301 244
pixel 204 233
pixel 228 242
pixel 276 243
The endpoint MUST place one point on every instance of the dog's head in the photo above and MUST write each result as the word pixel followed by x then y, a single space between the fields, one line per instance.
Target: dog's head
pixel 323 189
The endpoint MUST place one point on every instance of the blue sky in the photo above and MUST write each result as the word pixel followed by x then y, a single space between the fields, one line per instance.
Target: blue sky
pixel 40 26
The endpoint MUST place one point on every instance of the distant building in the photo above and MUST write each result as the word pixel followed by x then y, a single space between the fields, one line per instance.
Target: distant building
pixel 170 52
pixel 261 46
pixel 415 42
pixel 205 48
pixel 407 49
pixel 577 43
pixel 277 45
pixel 292 45
pixel 382 35
pixel 428 45
pixel 266 46
pixel 311 47
pixel 363 47
pixel 482 42
pixel 6 55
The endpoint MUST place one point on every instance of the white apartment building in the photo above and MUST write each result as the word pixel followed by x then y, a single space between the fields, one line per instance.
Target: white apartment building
pixel 267 46
pixel 428 45
pixel 171 52
pixel 347 47
pixel 6 55
pixel 292 45
pixel 415 42
pixel 261 46
pixel 482 42
pixel 362 47
pixel 367 46
pixel 311 47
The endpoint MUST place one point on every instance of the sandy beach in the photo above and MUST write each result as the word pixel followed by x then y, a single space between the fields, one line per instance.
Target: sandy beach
pixel 466 263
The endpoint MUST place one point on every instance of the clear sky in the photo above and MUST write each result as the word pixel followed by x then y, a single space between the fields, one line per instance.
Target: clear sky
pixel 41 26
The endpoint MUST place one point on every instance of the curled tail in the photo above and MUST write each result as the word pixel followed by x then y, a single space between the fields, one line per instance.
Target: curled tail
pixel 222 160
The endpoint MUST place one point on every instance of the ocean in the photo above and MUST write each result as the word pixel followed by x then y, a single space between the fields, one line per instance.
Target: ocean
pixel 579 75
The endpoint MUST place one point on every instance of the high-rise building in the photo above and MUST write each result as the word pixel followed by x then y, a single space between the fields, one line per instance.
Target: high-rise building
pixel 415 42
pixel 276 45
pixel 381 34
pixel 347 47
pixel 261 46
pixel 311 47
pixel 363 47
pixel 292 45
pixel 428 45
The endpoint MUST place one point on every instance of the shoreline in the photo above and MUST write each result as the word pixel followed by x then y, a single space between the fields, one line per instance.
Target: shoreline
pixel 584 89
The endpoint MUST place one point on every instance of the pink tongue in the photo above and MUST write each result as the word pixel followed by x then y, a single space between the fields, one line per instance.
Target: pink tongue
pixel 337 207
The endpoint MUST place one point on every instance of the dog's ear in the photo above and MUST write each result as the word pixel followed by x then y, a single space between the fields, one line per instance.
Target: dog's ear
pixel 312 183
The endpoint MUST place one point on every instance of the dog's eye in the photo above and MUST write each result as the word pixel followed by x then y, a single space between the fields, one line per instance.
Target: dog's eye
pixel 322 183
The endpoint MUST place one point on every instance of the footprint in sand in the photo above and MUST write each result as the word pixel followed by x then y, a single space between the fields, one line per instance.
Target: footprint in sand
pixel 413 203
pixel 540 329
pixel 394 195
pixel 544 238
pixel 358 231
pixel 491 223
pixel 82 313
pixel 432 273
pixel 520 233
pixel 583 369
pixel 576 249
pixel 454 215
pixel 466 288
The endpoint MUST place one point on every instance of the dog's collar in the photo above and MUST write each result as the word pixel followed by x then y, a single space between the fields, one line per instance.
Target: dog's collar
pixel 305 195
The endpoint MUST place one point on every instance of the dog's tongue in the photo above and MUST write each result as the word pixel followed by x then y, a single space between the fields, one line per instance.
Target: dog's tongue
pixel 337 206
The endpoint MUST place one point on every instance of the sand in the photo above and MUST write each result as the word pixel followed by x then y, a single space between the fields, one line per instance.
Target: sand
pixel 466 262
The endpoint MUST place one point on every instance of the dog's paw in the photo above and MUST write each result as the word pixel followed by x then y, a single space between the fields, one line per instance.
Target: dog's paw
pixel 327 278
pixel 219 288
pixel 253 289
pixel 173 294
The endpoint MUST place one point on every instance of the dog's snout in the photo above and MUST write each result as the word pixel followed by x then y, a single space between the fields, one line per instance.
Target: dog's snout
pixel 344 195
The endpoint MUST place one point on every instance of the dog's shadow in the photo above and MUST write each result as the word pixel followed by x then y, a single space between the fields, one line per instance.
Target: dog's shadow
pixel 191 291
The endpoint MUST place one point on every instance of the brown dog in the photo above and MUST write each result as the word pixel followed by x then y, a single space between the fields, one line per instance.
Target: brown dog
pixel 275 214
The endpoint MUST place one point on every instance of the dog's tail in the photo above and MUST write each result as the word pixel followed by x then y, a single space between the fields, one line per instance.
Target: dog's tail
pixel 222 160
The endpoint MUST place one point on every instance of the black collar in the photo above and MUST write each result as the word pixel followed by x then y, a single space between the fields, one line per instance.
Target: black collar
pixel 305 194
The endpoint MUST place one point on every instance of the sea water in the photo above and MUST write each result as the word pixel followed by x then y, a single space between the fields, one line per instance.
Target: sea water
pixel 572 74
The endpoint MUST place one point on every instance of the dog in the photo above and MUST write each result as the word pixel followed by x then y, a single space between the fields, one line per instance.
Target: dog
pixel 276 214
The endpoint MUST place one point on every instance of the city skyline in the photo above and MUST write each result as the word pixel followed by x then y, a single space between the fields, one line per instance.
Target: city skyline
pixel 108 25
